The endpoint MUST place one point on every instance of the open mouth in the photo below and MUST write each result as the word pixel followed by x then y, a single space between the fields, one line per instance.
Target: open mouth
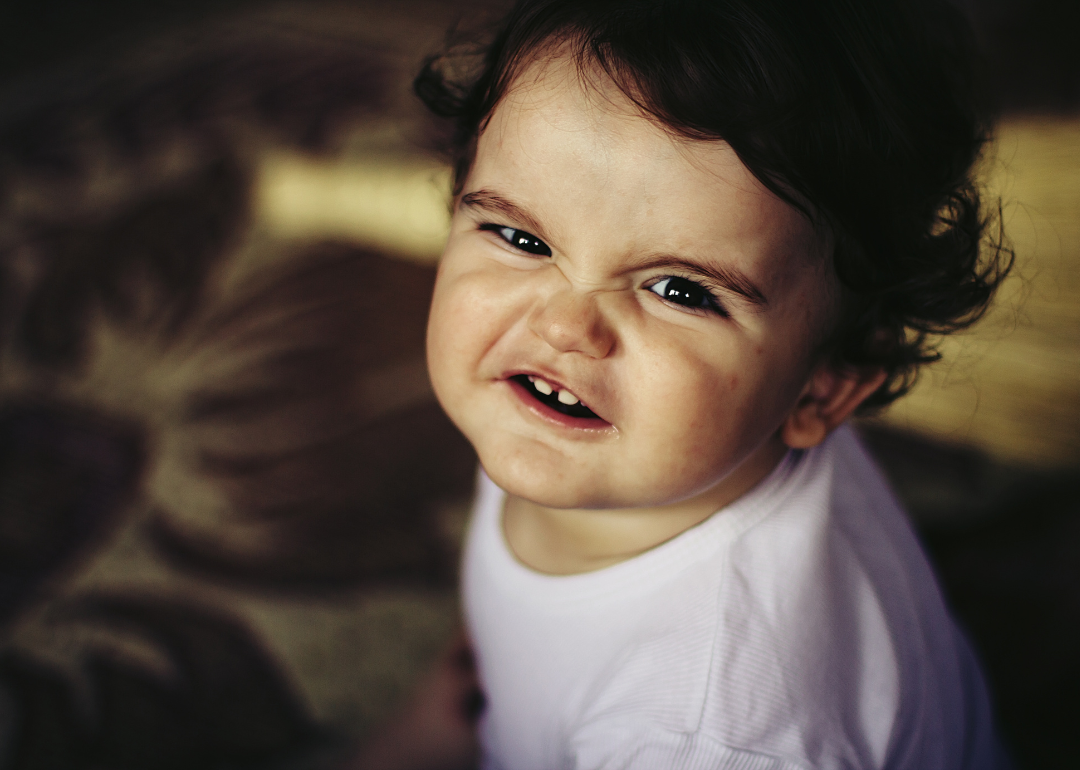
pixel 562 401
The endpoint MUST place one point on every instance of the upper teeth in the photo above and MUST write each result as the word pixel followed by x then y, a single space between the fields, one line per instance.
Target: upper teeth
pixel 568 398
pixel 543 386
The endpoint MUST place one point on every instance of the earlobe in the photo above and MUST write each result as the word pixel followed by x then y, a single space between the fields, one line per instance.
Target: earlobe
pixel 829 397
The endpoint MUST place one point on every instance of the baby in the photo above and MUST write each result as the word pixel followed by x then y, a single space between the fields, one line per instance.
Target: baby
pixel 689 240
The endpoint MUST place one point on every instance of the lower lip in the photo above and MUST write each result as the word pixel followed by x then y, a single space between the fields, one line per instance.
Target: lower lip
pixel 594 424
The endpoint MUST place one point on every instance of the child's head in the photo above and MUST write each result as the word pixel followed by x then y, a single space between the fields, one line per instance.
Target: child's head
pixel 720 224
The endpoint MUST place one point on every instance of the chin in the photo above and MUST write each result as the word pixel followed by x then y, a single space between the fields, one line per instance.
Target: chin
pixel 541 488
pixel 528 486
pixel 583 494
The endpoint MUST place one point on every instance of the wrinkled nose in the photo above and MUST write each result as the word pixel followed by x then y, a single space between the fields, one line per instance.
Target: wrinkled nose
pixel 571 321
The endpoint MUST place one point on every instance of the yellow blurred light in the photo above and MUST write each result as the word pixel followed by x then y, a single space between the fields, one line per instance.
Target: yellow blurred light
pixel 393 205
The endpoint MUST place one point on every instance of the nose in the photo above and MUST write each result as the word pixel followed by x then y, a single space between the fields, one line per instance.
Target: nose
pixel 571 321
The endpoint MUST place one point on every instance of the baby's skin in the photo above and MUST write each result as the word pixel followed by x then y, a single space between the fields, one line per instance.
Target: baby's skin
pixel 626 323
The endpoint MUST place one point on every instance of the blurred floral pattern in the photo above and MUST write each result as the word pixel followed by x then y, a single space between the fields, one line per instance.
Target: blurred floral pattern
pixel 218 450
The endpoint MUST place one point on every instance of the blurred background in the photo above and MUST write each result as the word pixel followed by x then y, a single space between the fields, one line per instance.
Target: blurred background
pixel 229 505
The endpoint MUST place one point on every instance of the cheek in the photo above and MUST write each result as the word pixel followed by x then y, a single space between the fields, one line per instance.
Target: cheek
pixel 450 334
pixel 470 311
pixel 447 339
pixel 445 317
pixel 685 400
pixel 690 430
pixel 715 408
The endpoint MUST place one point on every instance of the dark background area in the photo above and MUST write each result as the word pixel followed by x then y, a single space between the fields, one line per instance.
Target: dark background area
pixel 42 35
pixel 1032 62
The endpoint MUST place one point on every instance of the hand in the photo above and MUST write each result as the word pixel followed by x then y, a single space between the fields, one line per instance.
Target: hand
pixel 437 728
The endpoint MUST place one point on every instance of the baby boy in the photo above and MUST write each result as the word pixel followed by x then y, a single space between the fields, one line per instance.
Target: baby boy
pixel 689 240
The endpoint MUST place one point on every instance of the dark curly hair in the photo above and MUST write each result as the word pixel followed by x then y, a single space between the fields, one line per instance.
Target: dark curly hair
pixel 863 114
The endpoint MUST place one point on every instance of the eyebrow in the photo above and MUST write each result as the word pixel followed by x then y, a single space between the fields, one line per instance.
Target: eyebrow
pixel 495 203
pixel 732 279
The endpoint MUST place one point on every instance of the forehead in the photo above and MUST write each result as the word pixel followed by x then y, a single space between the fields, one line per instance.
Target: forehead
pixel 569 146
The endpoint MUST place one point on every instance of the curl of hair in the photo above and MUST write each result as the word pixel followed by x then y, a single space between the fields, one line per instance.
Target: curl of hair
pixel 863 114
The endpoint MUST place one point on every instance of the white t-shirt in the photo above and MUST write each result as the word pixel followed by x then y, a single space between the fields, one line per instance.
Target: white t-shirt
pixel 799 627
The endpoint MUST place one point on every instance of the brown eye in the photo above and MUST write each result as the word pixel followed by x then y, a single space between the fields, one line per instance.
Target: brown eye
pixel 520 239
pixel 687 293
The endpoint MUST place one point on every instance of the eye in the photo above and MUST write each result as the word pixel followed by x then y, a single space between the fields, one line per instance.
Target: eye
pixel 687 293
pixel 520 239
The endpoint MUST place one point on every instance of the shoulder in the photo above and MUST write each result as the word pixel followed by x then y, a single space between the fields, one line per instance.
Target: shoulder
pixel 836 647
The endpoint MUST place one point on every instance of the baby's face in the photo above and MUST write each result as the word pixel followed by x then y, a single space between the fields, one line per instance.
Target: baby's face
pixel 621 318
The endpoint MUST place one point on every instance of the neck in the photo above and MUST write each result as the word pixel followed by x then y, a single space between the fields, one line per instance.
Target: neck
pixel 567 541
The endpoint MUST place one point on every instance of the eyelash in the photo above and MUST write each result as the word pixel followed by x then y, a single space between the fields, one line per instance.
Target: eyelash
pixel 522 241
pixel 530 244
pixel 708 301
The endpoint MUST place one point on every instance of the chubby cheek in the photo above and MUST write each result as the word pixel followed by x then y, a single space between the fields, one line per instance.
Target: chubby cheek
pixel 706 438
pixel 470 312
pixel 451 332
pixel 700 417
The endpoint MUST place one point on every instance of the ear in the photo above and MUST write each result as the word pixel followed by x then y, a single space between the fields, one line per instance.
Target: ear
pixel 829 397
